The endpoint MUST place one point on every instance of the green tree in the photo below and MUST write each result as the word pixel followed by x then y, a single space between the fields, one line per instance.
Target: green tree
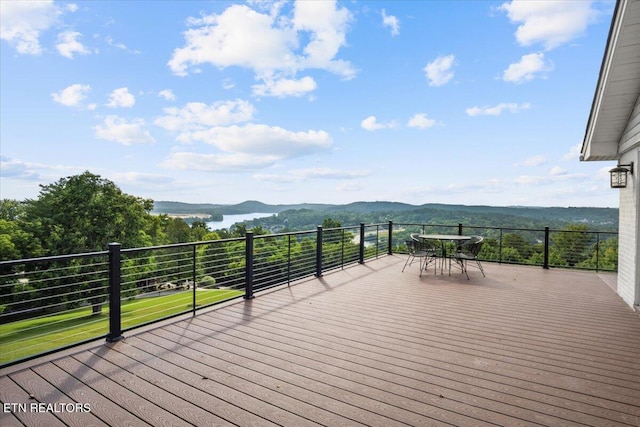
pixel 11 210
pixel 604 256
pixel 178 231
pixel 83 213
pixel 330 223
pixel 518 243
pixel 199 230
pixel 571 246
pixel 15 241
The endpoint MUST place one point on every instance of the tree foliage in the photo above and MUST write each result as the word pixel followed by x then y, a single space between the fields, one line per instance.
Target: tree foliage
pixel 85 213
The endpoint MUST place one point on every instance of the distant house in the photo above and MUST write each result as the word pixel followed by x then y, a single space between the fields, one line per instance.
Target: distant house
pixel 613 133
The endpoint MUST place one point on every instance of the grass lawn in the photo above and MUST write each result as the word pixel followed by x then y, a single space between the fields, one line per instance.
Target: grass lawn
pixel 33 336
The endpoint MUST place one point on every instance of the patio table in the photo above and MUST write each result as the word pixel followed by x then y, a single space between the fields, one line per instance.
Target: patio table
pixel 443 238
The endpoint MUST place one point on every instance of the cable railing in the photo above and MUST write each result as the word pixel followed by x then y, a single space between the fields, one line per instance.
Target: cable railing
pixel 51 303
pixel 544 247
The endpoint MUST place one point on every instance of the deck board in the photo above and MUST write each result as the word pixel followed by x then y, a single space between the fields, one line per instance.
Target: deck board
pixel 366 345
pixel 43 391
pixel 11 392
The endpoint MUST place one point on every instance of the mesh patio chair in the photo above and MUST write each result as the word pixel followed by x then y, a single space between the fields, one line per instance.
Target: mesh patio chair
pixel 469 252
pixel 419 249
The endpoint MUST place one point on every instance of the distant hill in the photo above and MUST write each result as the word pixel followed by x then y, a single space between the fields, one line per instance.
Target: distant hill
pixel 249 206
pixel 309 214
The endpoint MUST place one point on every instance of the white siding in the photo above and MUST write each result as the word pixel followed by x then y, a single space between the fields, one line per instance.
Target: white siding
pixel 631 136
pixel 629 241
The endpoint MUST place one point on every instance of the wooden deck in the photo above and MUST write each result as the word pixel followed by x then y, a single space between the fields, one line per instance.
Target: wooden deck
pixel 367 345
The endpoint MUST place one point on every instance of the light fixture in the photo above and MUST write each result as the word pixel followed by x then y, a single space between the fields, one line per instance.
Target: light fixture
pixel 619 175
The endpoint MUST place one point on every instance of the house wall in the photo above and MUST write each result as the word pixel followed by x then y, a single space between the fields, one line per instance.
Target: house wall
pixel 629 241
pixel 628 272
pixel 631 136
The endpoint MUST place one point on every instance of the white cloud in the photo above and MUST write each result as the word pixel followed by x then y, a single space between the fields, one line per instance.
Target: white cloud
pixel 326 25
pixel 167 94
pixel 371 124
pixel 22 22
pixel 534 161
pixel 555 176
pixel 269 44
pixel 263 140
pixel 392 22
pixel 111 42
pixel 299 175
pixel 497 109
pixel 527 68
pixel 550 22
pixel 117 129
pixel 574 152
pixel 121 98
pixel 198 116
pixel 68 44
pixel 532 180
pixel 239 36
pixel 421 121
pixel 280 179
pixel 72 96
pixel 439 70
pixel 17 169
pixel 285 87
pixel 145 179
pixel 326 173
pixel 217 162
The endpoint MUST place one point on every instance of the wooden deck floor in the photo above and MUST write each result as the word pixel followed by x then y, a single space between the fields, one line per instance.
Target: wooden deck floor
pixel 367 345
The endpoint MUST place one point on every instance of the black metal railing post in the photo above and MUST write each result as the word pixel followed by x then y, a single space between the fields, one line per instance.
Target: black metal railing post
pixel 597 251
pixel 342 249
pixel 390 245
pixel 545 265
pixel 115 277
pixel 459 229
pixel 361 256
pixel 289 260
pixel 319 251
pixel 193 279
pixel 248 271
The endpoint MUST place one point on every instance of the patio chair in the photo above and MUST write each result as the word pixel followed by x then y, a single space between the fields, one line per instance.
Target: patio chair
pixel 419 249
pixel 469 252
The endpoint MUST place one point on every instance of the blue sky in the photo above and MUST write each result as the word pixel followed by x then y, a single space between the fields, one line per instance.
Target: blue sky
pixel 459 102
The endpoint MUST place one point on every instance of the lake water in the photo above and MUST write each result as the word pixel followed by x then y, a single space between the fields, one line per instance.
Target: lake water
pixel 229 220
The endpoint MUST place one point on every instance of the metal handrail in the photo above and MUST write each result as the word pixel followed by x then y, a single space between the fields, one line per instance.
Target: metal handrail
pixel 183 278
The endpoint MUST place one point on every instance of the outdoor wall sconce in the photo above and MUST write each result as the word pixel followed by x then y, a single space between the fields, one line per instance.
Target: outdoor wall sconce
pixel 619 175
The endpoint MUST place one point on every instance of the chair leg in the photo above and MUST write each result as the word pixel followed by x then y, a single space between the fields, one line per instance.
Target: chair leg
pixel 481 269
pixel 407 262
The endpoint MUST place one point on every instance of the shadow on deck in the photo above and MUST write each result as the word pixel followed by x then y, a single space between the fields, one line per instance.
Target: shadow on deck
pixel 367 345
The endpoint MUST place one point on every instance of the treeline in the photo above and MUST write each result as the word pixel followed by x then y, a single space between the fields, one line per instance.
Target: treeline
pixel 308 216
pixel 307 219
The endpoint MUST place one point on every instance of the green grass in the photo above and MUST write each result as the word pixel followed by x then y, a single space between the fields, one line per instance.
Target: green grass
pixel 29 337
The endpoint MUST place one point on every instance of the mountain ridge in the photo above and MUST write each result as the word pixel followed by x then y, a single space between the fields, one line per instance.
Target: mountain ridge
pixel 389 210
